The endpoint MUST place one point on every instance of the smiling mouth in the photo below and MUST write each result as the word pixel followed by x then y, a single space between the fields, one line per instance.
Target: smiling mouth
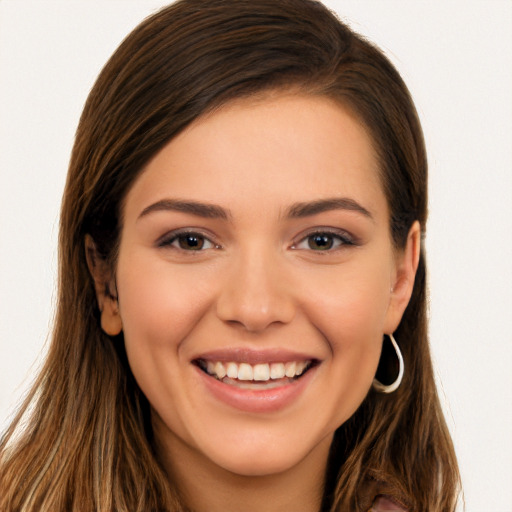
pixel 257 376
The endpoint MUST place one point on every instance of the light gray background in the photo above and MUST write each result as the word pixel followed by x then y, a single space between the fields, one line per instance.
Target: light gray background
pixel 456 57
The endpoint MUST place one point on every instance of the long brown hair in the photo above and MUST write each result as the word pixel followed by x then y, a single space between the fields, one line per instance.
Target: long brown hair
pixel 82 441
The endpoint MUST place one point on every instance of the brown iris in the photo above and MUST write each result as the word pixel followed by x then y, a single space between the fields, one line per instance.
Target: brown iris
pixel 191 242
pixel 320 242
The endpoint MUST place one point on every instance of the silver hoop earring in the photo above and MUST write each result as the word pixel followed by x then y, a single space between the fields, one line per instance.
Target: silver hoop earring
pixel 381 388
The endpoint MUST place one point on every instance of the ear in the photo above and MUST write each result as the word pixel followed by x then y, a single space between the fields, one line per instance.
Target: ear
pixel 402 281
pixel 105 288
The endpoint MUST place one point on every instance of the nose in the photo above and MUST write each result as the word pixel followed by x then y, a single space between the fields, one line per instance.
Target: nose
pixel 256 294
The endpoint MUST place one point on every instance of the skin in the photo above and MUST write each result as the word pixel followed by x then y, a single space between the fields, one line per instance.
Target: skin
pixel 258 283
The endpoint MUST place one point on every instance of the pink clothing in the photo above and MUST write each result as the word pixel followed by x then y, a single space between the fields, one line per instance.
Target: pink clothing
pixel 384 504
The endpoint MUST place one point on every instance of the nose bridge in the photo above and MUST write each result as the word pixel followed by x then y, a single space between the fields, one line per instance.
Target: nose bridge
pixel 255 292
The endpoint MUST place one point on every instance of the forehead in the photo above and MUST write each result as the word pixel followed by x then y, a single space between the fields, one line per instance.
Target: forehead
pixel 273 149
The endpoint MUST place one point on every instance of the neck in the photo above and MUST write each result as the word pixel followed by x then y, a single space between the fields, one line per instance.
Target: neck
pixel 206 487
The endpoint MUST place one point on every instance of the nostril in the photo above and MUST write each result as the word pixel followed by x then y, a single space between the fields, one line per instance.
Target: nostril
pixel 255 317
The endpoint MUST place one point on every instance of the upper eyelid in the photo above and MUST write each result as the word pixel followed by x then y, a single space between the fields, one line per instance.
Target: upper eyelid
pixel 171 235
pixel 341 233
pixel 337 232
pixel 346 240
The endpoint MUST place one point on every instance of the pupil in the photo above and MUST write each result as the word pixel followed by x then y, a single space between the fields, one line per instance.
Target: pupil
pixel 321 242
pixel 191 242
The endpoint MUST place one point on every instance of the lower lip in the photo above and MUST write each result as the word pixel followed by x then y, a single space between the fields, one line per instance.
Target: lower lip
pixel 257 400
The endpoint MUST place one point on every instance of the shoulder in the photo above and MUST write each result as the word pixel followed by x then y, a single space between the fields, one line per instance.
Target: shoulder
pixel 386 504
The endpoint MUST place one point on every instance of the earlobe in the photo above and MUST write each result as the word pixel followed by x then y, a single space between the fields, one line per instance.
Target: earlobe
pixel 403 281
pixel 104 287
pixel 110 319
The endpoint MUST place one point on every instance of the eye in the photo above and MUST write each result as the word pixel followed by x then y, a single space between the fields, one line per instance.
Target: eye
pixel 188 241
pixel 324 241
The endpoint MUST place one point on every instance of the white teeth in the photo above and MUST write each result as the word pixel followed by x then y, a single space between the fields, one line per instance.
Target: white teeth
pixel 232 370
pixel 277 371
pixel 289 369
pixel 300 367
pixel 245 371
pixel 219 370
pixel 259 372
pixel 210 367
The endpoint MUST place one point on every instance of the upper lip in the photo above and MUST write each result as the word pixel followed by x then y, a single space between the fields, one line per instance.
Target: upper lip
pixel 252 356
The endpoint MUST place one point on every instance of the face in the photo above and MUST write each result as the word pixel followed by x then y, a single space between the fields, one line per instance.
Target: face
pixel 256 278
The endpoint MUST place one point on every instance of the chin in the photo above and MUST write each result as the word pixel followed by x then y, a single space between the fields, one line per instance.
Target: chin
pixel 263 463
pixel 257 455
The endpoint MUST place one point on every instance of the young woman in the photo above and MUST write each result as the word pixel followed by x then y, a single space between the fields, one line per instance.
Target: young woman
pixel 241 319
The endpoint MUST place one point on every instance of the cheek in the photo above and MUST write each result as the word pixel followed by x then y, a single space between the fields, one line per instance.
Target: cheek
pixel 349 309
pixel 351 303
pixel 159 305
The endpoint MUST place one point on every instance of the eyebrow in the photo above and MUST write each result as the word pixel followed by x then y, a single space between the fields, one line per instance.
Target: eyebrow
pixel 205 210
pixel 297 210
pixel 307 209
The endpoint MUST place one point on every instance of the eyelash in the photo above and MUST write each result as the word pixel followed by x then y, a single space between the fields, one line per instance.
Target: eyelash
pixel 342 237
pixel 172 238
pixel 334 239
